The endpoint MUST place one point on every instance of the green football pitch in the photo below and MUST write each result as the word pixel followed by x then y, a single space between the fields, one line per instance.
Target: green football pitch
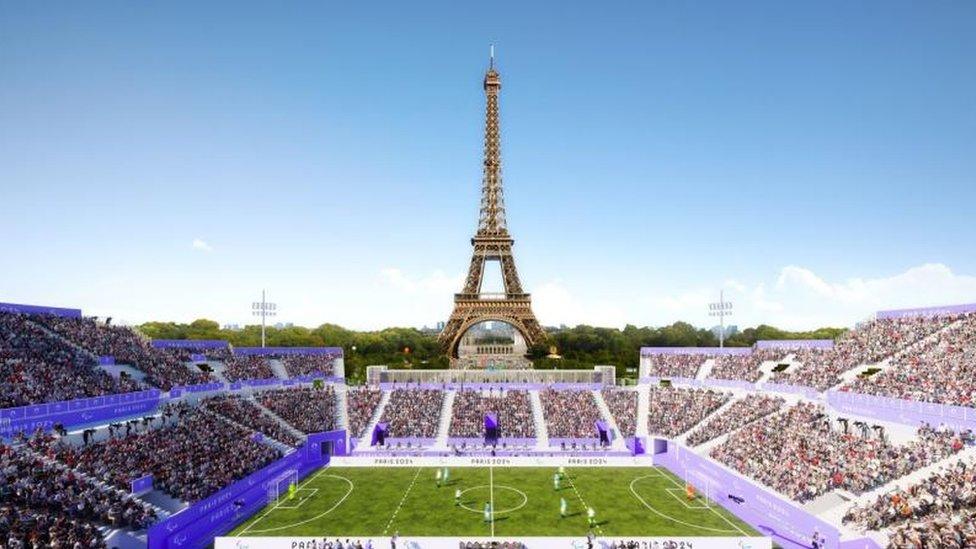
pixel 379 501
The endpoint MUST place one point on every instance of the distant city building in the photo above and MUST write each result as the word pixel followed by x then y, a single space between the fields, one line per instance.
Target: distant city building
pixel 730 330
pixel 283 325
pixel 232 327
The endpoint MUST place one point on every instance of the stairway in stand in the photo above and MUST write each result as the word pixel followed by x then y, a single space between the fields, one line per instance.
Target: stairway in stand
pixel 443 428
pixel 618 442
pixel 367 435
pixel 541 431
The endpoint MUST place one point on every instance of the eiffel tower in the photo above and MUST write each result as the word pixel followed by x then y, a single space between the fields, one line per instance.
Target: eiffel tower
pixel 491 242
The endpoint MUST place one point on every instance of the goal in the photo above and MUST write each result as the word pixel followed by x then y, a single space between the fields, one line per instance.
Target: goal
pixel 278 487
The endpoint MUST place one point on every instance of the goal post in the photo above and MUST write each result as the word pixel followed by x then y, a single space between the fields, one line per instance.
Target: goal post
pixel 701 492
pixel 283 486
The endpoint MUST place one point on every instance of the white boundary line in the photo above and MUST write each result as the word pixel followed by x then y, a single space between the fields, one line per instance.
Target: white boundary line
pixel 404 498
pixel 586 507
pixel 669 517
pixel 268 512
pixel 710 508
pixel 316 517
pixel 301 501
pixel 491 492
pixel 683 502
pixel 525 500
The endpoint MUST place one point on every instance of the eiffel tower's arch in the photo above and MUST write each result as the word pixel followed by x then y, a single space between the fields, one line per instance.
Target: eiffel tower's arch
pixel 457 346
pixel 492 242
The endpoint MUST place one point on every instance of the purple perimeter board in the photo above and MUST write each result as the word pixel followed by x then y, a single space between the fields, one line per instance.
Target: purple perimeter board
pixel 795 344
pixel 653 351
pixel 260 351
pixel 905 412
pixel 928 311
pixel 197 525
pixel 78 412
pixel 769 513
pixel 39 310
pixel 189 344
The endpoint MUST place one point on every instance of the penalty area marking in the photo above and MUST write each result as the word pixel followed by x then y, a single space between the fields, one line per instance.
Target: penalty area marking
pixel 525 499
pixel 682 501
pixel 710 508
pixel 669 517
pixel 316 517
pixel 311 492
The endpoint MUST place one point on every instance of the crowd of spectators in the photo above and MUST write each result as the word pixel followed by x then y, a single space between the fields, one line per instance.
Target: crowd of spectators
pixel 570 413
pixel 192 456
pixel 673 411
pixel 240 367
pixel 949 530
pixel 36 367
pixel 948 490
pixel 361 403
pixel 186 354
pixel 513 408
pixel 308 409
pixel 623 408
pixel 304 365
pixel 43 504
pixel 413 413
pixel 739 413
pixel 162 369
pixel 744 367
pixel 868 344
pixel 677 365
pixel 942 369
pixel 246 413
pixel 799 454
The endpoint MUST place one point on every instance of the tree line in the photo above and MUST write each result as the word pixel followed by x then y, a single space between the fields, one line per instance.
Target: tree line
pixel 579 347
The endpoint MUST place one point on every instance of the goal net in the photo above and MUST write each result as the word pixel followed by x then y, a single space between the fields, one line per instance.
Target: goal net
pixel 700 494
pixel 282 486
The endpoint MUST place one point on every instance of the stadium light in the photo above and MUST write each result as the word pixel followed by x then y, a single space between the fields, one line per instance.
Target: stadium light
pixel 721 309
pixel 263 309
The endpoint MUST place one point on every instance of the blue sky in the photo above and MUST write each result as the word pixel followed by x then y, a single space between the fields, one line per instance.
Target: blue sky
pixel 815 160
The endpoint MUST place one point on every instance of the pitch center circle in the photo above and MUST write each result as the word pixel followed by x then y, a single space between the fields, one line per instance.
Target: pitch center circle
pixel 498 487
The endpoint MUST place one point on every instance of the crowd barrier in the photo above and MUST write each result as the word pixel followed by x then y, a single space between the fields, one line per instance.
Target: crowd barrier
pixel 808 392
pixel 724 351
pixel 141 485
pixel 196 526
pixel 795 344
pixel 928 311
pixel 39 310
pixel 189 344
pixel 77 412
pixel 906 412
pixel 515 385
pixel 771 514
pixel 261 351
pixel 198 388
pixel 730 383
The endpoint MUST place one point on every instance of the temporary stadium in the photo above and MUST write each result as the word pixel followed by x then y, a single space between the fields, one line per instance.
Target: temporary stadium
pixel 173 443
pixel 112 438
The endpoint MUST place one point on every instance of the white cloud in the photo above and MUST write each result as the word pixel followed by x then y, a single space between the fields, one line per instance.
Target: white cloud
pixel 798 298
pixel 435 283
pixel 554 304
pixel 793 297
pixel 201 245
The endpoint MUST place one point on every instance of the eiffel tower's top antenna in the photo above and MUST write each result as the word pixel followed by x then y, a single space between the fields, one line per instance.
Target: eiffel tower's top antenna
pixel 491 222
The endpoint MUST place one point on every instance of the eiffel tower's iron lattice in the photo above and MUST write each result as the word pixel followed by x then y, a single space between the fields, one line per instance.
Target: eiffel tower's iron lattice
pixel 491 242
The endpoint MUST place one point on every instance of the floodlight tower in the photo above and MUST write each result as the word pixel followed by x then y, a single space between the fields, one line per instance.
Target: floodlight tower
pixel 721 309
pixel 263 309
